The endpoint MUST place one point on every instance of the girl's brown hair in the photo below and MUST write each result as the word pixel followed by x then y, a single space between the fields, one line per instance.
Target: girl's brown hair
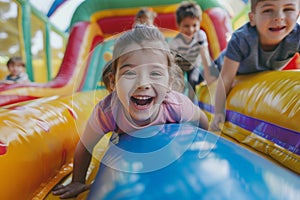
pixel 140 35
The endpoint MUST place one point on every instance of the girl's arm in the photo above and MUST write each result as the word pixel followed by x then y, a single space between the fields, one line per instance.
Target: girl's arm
pixel 82 159
pixel 224 84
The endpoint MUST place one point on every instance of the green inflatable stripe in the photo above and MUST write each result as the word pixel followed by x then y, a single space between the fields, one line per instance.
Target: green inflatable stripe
pixel 87 8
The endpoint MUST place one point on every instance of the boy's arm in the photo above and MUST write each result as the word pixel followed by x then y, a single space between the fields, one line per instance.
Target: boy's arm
pixel 190 112
pixel 206 61
pixel 199 118
pixel 203 119
pixel 224 84
pixel 23 78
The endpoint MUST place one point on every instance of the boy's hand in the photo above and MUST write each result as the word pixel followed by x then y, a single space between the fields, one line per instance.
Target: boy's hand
pixel 183 63
pixel 70 191
pixel 215 124
pixel 8 82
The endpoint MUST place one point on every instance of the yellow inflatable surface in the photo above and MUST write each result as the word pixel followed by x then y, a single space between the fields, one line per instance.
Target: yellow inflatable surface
pixel 263 111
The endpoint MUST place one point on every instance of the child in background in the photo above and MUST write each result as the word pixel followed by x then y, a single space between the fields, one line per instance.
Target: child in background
pixel 191 44
pixel 267 42
pixel 141 98
pixel 17 74
pixel 145 16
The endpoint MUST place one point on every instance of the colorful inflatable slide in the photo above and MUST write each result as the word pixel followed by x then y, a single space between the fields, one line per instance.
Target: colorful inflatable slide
pixel 38 135
pixel 94 21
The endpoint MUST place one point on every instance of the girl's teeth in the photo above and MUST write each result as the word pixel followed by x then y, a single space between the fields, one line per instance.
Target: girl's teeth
pixel 142 98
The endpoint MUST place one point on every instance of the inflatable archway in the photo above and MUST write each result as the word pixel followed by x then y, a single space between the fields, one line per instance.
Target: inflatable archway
pixel 91 24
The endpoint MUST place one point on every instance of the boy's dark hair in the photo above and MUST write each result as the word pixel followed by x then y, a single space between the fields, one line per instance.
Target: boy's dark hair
pixel 188 9
pixel 254 3
pixel 15 59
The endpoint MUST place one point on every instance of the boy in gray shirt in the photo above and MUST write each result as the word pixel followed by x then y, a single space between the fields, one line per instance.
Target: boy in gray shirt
pixel 267 42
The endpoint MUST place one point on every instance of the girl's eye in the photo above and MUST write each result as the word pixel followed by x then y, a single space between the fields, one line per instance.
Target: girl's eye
pixel 156 74
pixel 129 74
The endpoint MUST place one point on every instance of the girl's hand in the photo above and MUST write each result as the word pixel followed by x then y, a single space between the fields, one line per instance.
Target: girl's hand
pixel 70 191
pixel 215 124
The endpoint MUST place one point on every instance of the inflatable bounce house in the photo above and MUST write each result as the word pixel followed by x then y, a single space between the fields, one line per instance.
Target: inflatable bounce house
pixel 256 156
pixel 27 32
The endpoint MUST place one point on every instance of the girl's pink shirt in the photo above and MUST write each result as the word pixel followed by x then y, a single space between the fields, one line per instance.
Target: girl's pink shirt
pixel 108 115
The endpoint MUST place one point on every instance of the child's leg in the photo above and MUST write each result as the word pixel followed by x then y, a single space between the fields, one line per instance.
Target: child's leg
pixel 192 84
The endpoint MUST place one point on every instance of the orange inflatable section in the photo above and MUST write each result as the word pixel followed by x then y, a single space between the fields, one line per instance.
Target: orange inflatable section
pixel 32 137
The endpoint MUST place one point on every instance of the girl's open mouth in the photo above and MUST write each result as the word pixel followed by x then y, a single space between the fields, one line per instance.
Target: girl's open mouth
pixel 142 102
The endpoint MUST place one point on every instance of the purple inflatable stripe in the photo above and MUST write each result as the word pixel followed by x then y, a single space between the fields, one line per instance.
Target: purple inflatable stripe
pixel 281 136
